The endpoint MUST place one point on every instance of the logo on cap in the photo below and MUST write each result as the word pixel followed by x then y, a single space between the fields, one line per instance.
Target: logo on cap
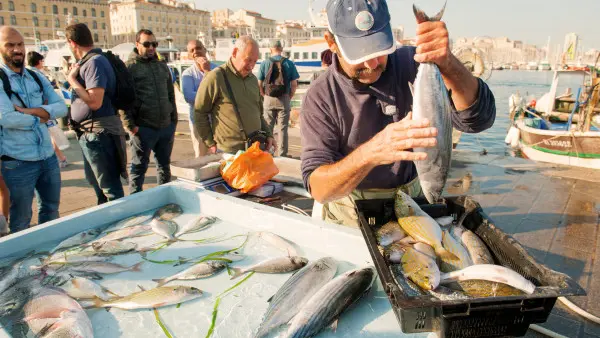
pixel 364 21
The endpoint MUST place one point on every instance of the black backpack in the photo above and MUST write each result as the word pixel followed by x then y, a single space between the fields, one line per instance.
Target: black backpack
pixel 125 92
pixel 275 86
pixel 8 87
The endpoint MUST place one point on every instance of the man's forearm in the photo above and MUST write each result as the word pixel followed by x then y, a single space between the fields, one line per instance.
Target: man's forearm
pixel 4 199
pixel 461 82
pixel 39 112
pixel 293 88
pixel 334 181
pixel 80 91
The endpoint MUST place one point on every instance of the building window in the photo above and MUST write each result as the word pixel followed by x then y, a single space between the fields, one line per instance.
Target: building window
pixel 44 9
pixel 296 56
pixel 54 9
pixel 45 23
pixel 56 23
pixel 149 19
pixel 13 20
pixel 11 7
pixel 177 30
pixel 142 17
pixel 101 14
pixel 84 12
pixel 33 8
pixel 94 12
pixel 305 56
pixel 1 20
pixel 156 18
pixel 103 25
pixel 36 23
pixel 94 24
pixel 315 55
pixel 95 37
pixel 65 11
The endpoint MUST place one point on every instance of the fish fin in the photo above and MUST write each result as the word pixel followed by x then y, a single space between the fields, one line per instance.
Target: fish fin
pixel 137 267
pixel 445 254
pixel 160 282
pixel 110 292
pixel 270 299
pixel 75 283
pixel 182 259
pixel 237 272
pixel 334 325
pixel 97 302
pixel 141 288
pixel 412 89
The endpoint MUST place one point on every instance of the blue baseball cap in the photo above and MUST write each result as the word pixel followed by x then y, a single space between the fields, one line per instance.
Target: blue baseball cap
pixel 362 28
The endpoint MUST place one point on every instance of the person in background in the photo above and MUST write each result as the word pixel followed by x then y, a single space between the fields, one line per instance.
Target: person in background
pixel 4 206
pixel 224 132
pixel 29 166
pixel 153 121
pixel 93 116
pixel 191 79
pixel 277 102
pixel 35 61
pixel 326 56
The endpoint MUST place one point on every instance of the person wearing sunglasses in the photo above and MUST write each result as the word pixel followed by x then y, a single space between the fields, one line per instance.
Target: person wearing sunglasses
pixel 153 120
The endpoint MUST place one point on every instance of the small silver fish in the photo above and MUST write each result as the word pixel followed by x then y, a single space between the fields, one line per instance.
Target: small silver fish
pixel 154 298
pixel 275 265
pixel 389 233
pixel 455 247
pixel 477 249
pixel 83 288
pixel 164 228
pixel 278 242
pixel 431 101
pixel 393 253
pixel 105 267
pixel 113 248
pixel 78 239
pixel 129 232
pixel 198 224
pixel 168 212
pixel 201 270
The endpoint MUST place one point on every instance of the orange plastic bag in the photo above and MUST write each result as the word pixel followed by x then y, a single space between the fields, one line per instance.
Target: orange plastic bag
pixel 250 170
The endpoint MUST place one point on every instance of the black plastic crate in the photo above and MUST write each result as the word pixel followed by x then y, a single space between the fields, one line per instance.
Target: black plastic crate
pixel 476 317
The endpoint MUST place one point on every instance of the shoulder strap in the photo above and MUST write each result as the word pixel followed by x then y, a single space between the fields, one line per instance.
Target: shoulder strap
pixel 8 88
pixel 235 105
pixel 37 80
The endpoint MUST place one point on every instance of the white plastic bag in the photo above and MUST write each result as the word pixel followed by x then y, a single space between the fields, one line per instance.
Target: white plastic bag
pixel 59 137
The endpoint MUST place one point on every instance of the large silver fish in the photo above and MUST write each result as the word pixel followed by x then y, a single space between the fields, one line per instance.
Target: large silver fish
pixel 296 291
pixel 431 101
pixel 155 298
pixel 78 239
pixel 326 306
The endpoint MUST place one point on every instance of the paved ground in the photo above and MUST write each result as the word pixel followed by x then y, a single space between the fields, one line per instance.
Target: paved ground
pixel 552 211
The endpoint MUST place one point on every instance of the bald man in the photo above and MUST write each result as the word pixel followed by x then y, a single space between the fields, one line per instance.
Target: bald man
pixel 190 81
pixel 27 102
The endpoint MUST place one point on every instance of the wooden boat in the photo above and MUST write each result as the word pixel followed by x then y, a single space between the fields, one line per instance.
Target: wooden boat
pixel 575 142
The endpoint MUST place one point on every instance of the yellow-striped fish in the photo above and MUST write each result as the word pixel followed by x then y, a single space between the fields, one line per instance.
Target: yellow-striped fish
pixel 418 265
pixel 419 225
pixel 455 247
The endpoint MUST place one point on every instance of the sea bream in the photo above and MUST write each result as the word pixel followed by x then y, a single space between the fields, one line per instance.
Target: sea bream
pixel 431 101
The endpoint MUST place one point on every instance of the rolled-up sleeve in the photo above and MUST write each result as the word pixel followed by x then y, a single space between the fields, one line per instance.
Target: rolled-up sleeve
pixel 56 106
pixel 480 116
pixel 319 134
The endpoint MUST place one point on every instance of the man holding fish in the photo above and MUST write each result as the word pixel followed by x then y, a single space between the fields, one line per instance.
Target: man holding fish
pixel 358 132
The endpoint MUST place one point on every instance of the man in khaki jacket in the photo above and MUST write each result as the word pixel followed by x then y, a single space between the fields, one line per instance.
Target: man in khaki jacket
pixel 213 99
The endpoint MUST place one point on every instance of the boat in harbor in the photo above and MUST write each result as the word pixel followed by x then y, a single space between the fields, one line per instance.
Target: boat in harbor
pixel 561 128
pixel 544 66
pixel 532 66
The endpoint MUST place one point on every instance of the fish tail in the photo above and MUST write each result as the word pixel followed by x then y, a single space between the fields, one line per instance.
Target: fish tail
pixel 137 267
pixel 422 17
pixel 445 254
pixel 110 292
pixel 237 272
pixel 97 303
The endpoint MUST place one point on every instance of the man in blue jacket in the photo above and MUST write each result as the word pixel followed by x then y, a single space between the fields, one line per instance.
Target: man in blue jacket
pixel 28 162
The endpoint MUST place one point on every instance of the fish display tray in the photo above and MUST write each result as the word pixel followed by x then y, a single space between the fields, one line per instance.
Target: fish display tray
pixel 475 317
pixel 240 313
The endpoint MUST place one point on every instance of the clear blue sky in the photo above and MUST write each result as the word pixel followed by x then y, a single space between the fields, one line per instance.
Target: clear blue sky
pixel 529 20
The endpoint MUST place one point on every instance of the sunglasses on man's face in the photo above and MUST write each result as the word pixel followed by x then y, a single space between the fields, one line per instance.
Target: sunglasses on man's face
pixel 147 44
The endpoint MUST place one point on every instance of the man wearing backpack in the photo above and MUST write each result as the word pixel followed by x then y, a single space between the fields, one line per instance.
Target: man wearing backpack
pixel 153 119
pixel 278 81
pixel 94 115
pixel 29 166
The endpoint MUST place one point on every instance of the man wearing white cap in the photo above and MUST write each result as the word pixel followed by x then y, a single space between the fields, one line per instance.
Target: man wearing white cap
pixel 357 142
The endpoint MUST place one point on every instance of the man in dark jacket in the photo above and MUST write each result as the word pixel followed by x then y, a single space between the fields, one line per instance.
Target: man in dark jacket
pixel 153 120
